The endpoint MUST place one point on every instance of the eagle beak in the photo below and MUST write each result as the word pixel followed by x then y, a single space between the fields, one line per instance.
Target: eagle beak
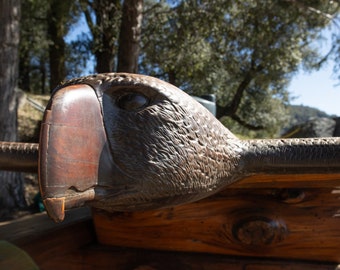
pixel 71 143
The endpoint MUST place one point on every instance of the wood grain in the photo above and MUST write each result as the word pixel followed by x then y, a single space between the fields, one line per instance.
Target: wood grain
pixel 104 257
pixel 289 181
pixel 43 239
pixel 268 223
pixel 72 244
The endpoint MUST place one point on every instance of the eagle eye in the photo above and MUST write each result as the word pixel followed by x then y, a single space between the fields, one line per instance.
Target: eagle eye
pixel 132 101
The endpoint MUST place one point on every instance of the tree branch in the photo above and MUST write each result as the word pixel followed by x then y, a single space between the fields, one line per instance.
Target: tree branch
pixel 244 123
pixel 232 108
pixel 234 104
pixel 89 20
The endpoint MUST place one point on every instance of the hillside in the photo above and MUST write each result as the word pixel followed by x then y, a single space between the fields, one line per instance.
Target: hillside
pixel 300 114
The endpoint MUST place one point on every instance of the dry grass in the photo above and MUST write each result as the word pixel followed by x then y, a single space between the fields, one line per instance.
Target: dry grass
pixel 29 117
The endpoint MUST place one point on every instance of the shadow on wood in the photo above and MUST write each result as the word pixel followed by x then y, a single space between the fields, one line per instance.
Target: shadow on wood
pixel 281 225
pixel 288 223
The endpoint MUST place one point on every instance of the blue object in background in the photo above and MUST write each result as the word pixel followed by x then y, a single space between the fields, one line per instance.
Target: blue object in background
pixel 208 101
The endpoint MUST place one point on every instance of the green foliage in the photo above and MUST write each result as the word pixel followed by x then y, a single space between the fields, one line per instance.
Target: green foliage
pixel 103 19
pixel 300 114
pixel 78 53
pixel 245 52
pixel 335 53
pixel 33 45
pixel 273 115
pixel 36 40
pixel 305 122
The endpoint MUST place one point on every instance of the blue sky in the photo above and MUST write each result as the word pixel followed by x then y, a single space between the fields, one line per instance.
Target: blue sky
pixel 319 89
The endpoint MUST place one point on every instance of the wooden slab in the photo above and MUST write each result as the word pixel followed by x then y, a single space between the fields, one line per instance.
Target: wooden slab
pixel 105 257
pixel 72 245
pixel 283 223
pixel 43 239
pixel 289 181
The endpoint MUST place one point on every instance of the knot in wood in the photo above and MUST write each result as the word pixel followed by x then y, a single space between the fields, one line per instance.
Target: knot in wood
pixel 291 195
pixel 258 231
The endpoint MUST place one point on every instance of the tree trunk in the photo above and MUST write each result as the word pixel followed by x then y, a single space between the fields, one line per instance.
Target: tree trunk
pixel 24 71
pixel 104 57
pixel 11 184
pixel 130 34
pixel 56 32
pixel 42 69
pixel 104 31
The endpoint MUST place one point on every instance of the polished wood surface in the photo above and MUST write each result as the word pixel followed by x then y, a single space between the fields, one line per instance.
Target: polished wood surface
pixel 287 221
pixel 72 245
pixel 289 181
pixel 282 224
pixel 97 256
pixel 43 239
